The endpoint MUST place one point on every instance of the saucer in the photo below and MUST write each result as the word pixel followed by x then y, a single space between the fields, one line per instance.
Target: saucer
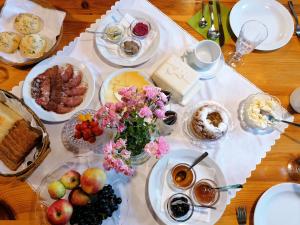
pixel 204 74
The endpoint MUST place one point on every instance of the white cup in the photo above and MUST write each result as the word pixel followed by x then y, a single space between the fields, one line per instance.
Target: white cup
pixel 206 54
pixel 295 100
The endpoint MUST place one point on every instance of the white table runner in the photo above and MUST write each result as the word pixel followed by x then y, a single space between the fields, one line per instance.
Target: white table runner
pixel 237 155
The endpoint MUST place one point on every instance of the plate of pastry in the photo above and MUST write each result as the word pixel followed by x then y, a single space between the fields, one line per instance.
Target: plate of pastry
pixel 129 40
pixel 58 87
pixel 120 79
pixel 206 174
pixel 207 123
pixel 27 37
pixel 24 142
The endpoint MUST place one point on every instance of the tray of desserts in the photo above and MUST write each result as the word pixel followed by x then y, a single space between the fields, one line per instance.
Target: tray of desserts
pixel 24 141
pixel 30 31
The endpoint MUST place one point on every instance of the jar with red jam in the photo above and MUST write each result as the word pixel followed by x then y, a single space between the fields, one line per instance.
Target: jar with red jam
pixel 204 192
pixel 140 28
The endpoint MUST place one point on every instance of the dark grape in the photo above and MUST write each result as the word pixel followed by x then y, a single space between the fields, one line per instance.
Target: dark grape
pixel 102 206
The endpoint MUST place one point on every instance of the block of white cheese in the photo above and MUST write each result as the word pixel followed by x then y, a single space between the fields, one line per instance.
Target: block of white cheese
pixel 177 77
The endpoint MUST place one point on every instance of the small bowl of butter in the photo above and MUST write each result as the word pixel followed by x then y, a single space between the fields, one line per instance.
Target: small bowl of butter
pixel 254 110
pixel 114 32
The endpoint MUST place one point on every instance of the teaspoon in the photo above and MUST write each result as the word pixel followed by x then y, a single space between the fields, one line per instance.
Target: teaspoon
pixel 181 175
pixel 202 22
pixel 212 33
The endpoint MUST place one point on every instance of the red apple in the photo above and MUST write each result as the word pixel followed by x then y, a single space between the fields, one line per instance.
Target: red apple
pixel 71 179
pixel 56 190
pixel 93 180
pixel 78 197
pixel 60 212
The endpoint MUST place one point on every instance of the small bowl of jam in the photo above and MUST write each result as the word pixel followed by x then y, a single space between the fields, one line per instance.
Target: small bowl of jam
pixel 180 207
pixel 204 193
pixel 176 182
pixel 140 28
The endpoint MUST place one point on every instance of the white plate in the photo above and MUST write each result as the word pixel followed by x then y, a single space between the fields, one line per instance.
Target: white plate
pixel 271 13
pixel 105 84
pixel 118 60
pixel 40 68
pixel 280 205
pixel 158 172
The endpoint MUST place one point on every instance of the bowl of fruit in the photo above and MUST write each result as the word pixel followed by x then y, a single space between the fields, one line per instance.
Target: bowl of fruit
pixel 80 192
pixel 83 133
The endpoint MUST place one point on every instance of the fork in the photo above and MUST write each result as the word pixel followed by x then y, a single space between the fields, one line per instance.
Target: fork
pixel 271 118
pixel 291 5
pixel 241 215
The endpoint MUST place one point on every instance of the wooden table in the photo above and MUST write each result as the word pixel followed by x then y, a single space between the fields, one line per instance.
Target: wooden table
pixel 275 72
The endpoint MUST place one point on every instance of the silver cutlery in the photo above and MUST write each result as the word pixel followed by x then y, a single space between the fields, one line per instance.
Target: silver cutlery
pixel 115 33
pixel 241 215
pixel 202 22
pixel 181 175
pixel 291 6
pixel 228 187
pixel 271 118
pixel 220 25
pixel 178 202
pixel 212 33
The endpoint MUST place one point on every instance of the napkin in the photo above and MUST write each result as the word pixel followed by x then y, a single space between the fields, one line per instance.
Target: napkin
pixel 193 22
pixel 52 19
pixel 202 172
pixel 146 42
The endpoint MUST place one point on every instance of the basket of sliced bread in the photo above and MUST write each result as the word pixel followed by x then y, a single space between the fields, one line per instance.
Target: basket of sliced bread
pixel 30 31
pixel 24 142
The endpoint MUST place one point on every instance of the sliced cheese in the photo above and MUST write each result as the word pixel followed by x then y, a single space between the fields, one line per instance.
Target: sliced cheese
pixel 126 79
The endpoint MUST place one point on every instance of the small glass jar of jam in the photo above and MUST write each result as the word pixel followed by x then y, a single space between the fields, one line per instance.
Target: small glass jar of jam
pixel 140 28
pixel 180 207
pixel 204 193
pixel 176 182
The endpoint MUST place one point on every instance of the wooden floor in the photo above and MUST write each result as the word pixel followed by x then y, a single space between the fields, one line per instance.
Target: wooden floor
pixel 276 72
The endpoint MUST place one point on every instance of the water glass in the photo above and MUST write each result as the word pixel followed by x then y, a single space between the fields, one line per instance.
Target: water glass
pixel 252 34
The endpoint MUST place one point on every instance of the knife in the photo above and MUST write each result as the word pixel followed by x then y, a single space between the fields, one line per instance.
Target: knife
pixel 221 30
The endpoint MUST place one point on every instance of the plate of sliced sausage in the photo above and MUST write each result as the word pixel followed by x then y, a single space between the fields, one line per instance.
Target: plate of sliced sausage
pixel 58 87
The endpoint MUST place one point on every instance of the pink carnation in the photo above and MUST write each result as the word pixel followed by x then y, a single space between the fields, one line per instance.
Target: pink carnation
pixel 158 147
pixel 145 112
pixel 159 113
pixel 151 92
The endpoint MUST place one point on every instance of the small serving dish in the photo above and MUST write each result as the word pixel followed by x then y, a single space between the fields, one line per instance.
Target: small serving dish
pixel 251 113
pixel 180 207
pixel 130 46
pixel 79 145
pixel 203 192
pixel 114 32
pixel 178 184
pixel 140 28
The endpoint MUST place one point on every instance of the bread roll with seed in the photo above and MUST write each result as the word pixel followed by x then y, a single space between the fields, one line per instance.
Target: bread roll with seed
pixel 27 23
pixel 9 42
pixel 32 46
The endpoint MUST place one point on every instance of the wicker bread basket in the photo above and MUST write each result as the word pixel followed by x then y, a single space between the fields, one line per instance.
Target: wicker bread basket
pixel 45 4
pixel 42 148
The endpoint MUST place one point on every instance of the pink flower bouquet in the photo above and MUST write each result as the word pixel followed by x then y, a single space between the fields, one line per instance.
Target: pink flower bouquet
pixel 134 118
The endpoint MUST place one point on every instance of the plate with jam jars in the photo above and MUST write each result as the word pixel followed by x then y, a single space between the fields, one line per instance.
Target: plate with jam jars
pixel 128 38
pixel 175 201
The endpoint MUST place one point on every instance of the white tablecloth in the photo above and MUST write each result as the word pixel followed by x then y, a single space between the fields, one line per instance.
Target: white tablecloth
pixel 237 155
